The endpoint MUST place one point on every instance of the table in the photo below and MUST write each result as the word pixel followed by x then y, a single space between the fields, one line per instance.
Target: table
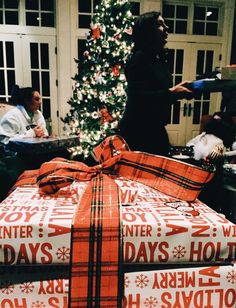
pixel 42 145
pixel 35 151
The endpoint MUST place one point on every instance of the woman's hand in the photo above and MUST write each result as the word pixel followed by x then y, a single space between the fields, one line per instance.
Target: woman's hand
pixel 181 87
pixel 39 131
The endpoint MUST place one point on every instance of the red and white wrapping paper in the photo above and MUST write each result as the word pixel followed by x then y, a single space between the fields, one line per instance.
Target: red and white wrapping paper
pixel 35 228
pixel 35 294
pixel 157 228
pixel 177 288
pixel 213 287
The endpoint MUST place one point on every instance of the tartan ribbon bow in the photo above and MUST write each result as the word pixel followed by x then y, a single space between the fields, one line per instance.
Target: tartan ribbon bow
pixel 175 178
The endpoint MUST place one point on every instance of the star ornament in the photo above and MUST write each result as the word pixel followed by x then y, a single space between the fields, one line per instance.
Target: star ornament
pixel 95 32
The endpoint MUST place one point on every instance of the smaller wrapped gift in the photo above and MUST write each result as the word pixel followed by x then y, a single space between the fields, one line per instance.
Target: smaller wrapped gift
pixel 228 72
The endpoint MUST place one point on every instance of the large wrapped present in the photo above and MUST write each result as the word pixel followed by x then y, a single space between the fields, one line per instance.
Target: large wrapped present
pixel 194 287
pixel 156 228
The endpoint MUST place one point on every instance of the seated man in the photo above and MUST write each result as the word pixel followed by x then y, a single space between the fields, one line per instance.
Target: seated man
pixel 24 120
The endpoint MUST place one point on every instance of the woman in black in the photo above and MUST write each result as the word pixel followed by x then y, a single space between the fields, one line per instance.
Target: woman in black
pixel 150 91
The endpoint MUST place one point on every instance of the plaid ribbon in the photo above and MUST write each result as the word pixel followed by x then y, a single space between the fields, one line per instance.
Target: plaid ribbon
pixel 172 177
pixel 96 258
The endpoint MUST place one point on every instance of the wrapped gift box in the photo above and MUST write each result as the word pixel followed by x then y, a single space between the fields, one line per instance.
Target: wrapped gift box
pixel 197 287
pixel 228 72
pixel 36 228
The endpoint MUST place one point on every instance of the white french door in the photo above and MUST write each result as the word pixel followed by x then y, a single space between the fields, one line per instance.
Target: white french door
pixel 187 61
pixel 30 60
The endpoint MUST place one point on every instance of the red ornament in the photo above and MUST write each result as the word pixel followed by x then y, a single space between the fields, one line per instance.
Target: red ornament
pixel 116 70
pixel 129 31
pixel 105 115
pixel 96 33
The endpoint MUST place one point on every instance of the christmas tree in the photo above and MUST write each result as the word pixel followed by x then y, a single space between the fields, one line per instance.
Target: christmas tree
pixel 99 93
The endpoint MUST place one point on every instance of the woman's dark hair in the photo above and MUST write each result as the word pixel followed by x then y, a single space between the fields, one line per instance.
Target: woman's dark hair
pixel 145 32
pixel 21 96
pixel 222 130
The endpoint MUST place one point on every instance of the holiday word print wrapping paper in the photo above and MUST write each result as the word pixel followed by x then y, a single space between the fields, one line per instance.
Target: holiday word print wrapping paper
pixel 197 287
pixel 157 228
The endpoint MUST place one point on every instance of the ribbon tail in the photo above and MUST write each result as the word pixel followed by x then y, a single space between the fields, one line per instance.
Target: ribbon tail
pixel 97 256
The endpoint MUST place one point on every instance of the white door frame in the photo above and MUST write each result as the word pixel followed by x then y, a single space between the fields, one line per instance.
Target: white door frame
pixel 180 133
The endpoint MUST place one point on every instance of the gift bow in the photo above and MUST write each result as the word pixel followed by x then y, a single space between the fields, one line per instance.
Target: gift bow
pixel 175 178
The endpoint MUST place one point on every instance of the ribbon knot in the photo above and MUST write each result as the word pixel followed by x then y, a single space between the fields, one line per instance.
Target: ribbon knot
pixel 175 178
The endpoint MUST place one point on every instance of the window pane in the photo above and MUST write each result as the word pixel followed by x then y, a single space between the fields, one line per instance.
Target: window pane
pixel 84 21
pixel 214 14
pixel 95 3
pixel 135 8
pixel 199 13
pixel 179 61
pixel 81 48
pixel 170 24
pixel 34 55
pixel 35 80
pixel 11 4
pixel 169 11
pixel 176 113
pixel 2 83
pixel 10 54
pixel 211 29
pixel 196 112
pixel 1 54
pixel 45 84
pixel 178 79
pixel 1 17
pixel 10 79
pixel 47 20
pixel 209 61
pixel 1 4
pixel 206 96
pixel 31 4
pixel 32 19
pixel 44 56
pixel 181 27
pixel 84 6
pixel 205 108
pixel 200 62
pixel 46 108
pixel 182 12
pixel 11 18
pixel 198 27
pixel 47 5
pixel 171 54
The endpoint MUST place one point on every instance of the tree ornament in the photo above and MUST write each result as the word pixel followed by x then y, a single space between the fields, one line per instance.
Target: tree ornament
pixel 116 70
pixel 105 115
pixel 96 32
